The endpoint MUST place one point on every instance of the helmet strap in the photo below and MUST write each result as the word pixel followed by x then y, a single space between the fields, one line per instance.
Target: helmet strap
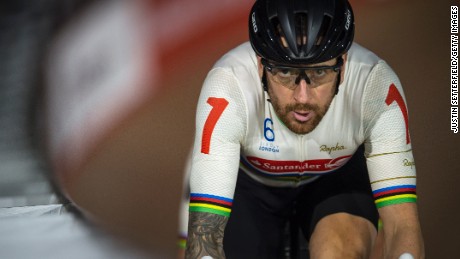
pixel 338 82
pixel 264 80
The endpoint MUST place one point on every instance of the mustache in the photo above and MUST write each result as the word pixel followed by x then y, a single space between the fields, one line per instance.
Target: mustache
pixel 301 106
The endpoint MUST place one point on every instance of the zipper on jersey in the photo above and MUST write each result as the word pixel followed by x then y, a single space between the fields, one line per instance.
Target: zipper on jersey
pixel 301 156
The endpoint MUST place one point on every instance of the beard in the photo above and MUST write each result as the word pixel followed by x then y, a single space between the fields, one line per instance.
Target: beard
pixel 296 126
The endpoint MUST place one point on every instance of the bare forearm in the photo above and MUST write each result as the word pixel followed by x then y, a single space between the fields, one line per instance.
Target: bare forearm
pixel 403 240
pixel 402 231
pixel 205 235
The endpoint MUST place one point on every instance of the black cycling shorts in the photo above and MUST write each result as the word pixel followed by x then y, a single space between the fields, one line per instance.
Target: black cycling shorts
pixel 256 227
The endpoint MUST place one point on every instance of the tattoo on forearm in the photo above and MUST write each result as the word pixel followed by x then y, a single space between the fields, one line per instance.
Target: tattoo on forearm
pixel 205 235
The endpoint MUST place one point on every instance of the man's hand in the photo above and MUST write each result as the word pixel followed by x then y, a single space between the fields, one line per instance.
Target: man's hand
pixel 205 235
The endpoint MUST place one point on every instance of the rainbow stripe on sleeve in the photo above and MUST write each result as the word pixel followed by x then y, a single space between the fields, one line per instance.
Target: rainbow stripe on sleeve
pixel 200 202
pixel 394 195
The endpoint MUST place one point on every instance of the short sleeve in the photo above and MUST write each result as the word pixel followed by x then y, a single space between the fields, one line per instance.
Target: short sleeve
pixel 221 123
pixel 388 146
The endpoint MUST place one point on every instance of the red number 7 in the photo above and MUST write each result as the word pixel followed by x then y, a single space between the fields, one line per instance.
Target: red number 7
pixel 218 107
pixel 395 96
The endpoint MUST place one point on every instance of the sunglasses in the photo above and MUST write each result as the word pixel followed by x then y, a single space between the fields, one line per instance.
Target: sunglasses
pixel 290 77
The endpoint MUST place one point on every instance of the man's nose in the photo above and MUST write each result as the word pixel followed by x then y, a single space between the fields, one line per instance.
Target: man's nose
pixel 302 92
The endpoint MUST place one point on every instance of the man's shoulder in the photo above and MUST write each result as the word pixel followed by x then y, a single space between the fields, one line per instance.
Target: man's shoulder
pixel 359 55
pixel 361 63
pixel 241 56
pixel 239 64
pixel 364 64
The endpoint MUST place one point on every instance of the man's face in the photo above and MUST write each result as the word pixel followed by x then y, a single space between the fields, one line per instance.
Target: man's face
pixel 302 108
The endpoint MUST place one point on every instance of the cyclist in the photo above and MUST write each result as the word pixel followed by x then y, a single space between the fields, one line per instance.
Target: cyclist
pixel 303 120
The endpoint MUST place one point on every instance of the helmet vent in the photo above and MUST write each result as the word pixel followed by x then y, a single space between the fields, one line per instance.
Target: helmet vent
pixel 301 29
pixel 323 30
pixel 279 33
pixel 307 39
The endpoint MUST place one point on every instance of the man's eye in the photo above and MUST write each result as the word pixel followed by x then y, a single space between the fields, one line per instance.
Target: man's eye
pixel 284 72
pixel 320 72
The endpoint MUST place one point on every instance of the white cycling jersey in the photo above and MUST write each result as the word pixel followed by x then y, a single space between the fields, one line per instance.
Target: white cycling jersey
pixel 237 128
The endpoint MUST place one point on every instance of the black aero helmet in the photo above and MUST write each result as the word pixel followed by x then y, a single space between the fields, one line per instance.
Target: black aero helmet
pixel 301 31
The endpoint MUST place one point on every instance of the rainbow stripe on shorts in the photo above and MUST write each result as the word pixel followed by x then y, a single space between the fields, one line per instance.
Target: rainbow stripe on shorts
pixel 394 195
pixel 200 202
